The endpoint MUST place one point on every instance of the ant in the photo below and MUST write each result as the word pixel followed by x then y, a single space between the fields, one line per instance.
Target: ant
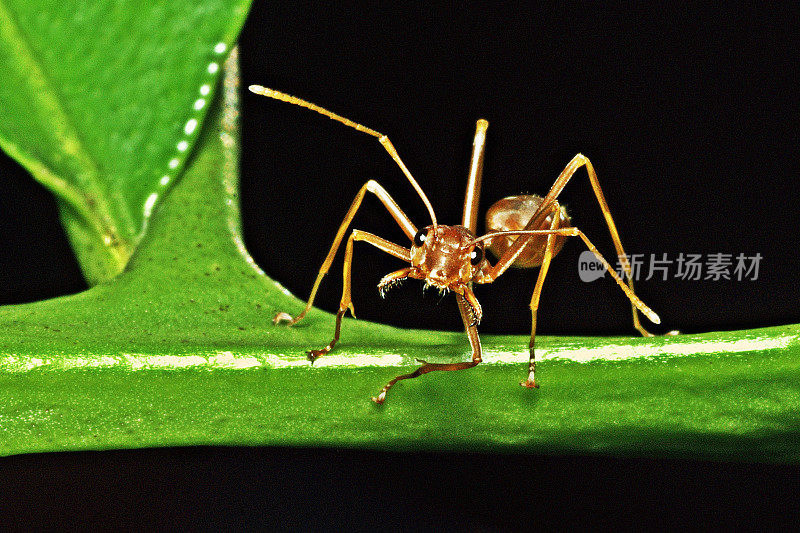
pixel 524 231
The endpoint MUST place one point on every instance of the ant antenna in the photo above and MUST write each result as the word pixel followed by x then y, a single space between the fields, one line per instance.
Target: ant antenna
pixel 383 139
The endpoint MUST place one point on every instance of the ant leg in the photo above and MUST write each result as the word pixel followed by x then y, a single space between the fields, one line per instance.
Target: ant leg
pixel 470 216
pixel 474 341
pixel 346 301
pixel 402 220
pixel 537 292
pixel 612 228
pixel 544 210
pixel 575 232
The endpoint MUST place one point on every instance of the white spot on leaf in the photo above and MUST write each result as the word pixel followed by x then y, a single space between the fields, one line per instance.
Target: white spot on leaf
pixel 149 203
pixel 190 126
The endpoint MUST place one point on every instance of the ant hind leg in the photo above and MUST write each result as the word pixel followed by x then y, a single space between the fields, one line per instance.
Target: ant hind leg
pixel 537 292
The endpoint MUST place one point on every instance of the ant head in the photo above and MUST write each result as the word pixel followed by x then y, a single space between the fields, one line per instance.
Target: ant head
pixel 445 257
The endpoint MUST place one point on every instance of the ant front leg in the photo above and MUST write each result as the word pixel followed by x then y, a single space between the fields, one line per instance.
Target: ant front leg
pixel 346 301
pixel 468 318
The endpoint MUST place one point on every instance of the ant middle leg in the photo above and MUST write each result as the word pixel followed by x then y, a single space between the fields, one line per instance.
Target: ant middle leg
pixel 347 302
pixel 394 210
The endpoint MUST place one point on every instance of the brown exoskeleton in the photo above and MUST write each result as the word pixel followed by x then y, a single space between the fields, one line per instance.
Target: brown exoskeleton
pixel 524 231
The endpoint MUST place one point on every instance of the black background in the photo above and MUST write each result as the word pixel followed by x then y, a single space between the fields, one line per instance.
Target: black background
pixel 690 118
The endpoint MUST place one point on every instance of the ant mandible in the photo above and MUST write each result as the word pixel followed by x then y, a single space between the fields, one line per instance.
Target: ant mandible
pixel 524 231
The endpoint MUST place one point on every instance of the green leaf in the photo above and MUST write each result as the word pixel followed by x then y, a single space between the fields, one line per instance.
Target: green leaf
pixel 179 349
pixel 102 102
pixel 190 287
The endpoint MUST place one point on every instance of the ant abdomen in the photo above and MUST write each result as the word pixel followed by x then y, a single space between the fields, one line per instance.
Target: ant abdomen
pixel 513 213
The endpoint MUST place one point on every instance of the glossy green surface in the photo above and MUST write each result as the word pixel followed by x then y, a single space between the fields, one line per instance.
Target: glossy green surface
pixel 102 101
pixel 179 349
pixel 692 407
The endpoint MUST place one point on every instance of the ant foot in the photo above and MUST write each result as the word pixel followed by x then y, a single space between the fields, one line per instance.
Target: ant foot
pixel 529 383
pixel 380 398
pixel 282 317
pixel 313 355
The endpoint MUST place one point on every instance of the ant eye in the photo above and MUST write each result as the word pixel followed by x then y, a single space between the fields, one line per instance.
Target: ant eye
pixel 476 256
pixel 420 237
